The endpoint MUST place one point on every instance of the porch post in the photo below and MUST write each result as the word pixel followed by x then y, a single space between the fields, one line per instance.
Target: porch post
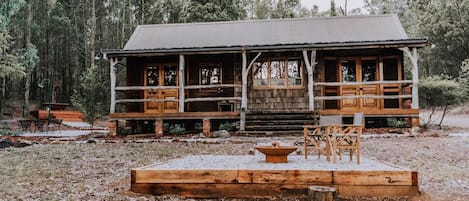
pixel 112 71
pixel 181 82
pixel 244 92
pixel 310 67
pixel 413 56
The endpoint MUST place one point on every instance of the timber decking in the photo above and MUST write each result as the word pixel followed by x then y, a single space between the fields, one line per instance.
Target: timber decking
pixel 180 115
pixel 65 115
pixel 249 176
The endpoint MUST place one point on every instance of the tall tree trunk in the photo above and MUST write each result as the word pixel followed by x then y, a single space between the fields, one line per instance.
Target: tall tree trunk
pixel 92 34
pixel 142 7
pixel 27 84
pixel 2 96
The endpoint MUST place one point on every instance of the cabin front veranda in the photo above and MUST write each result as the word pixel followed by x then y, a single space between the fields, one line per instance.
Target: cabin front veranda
pixel 206 89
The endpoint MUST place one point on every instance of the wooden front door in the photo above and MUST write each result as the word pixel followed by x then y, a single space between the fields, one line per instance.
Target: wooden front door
pixel 355 70
pixel 164 98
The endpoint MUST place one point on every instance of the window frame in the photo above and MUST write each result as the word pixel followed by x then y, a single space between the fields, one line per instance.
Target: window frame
pixel 211 64
pixel 285 85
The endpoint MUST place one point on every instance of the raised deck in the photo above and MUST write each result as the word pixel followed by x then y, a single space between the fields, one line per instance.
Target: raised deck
pixel 178 115
pixel 250 176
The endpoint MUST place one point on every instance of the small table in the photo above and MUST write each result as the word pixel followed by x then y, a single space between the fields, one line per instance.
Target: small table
pixel 276 154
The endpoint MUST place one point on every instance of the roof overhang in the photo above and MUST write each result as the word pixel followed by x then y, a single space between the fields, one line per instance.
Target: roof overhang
pixel 414 42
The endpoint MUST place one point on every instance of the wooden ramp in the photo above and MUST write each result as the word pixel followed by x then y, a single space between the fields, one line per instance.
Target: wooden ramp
pixel 249 176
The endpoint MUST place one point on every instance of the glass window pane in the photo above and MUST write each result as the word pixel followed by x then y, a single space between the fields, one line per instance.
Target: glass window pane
pixel 260 73
pixel 277 73
pixel 153 76
pixel 294 73
pixel 369 70
pixel 170 75
pixel 210 74
pixel 348 68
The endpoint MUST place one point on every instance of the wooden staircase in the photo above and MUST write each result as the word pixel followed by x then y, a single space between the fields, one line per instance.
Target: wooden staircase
pixel 278 122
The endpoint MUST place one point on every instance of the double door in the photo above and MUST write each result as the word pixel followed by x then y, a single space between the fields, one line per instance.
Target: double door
pixel 352 71
pixel 163 97
pixel 353 76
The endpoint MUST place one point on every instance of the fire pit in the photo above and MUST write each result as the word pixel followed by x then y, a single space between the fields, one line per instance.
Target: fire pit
pixel 276 153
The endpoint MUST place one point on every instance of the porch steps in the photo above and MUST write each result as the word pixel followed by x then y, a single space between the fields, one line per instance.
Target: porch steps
pixel 279 122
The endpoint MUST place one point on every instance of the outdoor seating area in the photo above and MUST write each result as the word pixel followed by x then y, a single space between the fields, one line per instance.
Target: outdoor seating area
pixel 332 137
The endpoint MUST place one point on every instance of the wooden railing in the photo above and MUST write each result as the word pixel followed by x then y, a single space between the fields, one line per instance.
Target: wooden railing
pixel 189 87
pixel 382 87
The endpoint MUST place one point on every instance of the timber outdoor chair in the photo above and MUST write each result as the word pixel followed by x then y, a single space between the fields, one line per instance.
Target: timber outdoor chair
pixel 347 137
pixel 316 137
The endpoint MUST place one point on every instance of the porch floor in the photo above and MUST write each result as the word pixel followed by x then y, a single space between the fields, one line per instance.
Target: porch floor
pixel 177 115
pixel 210 176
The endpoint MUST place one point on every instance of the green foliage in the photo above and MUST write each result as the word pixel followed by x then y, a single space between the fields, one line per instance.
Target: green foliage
pixel 177 129
pixel 10 64
pixel 8 8
pixel 90 96
pixel 439 91
pixel 209 11
pixel 31 58
pixel 446 24
pixel 228 126
pixel 396 123
pixel 333 11
pixel 286 9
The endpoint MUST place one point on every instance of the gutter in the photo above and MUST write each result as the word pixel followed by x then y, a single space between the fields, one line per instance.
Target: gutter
pixel 418 42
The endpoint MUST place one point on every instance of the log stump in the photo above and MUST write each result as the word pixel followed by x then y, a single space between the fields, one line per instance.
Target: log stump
pixel 321 193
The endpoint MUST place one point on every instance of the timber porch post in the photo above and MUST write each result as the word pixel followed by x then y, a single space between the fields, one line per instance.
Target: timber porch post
pixel 181 82
pixel 244 93
pixel 413 56
pixel 112 71
pixel 310 67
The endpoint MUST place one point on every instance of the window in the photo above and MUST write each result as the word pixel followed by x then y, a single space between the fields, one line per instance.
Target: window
pixel 277 74
pixel 210 74
pixel 153 76
pixel 348 71
pixel 368 70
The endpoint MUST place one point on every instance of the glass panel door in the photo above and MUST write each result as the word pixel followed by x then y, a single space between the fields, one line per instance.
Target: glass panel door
pixel 369 74
pixel 161 75
pixel 348 69
pixel 152 79
pixel 170 79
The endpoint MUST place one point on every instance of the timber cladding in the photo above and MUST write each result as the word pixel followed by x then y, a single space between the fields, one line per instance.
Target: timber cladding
pixel 267 183
pixel 278 100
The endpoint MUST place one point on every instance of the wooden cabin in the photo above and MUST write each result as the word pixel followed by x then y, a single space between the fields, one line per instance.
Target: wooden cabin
pixel 263 75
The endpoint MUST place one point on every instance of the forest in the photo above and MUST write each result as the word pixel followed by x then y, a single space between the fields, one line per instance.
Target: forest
pixel 50 49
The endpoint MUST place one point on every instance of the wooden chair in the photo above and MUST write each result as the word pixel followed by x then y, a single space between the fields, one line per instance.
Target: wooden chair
pixel 347 137
pixel 316 137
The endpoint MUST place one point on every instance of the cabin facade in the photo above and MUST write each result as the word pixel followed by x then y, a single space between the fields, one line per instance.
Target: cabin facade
pixel 266 75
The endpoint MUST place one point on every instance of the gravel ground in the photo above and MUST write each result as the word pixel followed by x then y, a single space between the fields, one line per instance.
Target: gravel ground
pixel 100 171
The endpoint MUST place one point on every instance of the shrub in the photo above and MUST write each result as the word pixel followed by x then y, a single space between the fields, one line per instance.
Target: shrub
pixel 177 129
pixel 396 123
pixel 439 92
pixel 228 126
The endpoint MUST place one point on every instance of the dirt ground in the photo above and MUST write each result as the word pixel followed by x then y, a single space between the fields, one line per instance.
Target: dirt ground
pixel 77 170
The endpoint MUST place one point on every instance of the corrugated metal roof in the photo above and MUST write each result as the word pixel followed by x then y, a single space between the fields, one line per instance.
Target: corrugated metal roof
pixel 267 32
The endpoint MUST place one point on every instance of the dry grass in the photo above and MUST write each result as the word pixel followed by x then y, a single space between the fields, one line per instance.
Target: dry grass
pixel 79 171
